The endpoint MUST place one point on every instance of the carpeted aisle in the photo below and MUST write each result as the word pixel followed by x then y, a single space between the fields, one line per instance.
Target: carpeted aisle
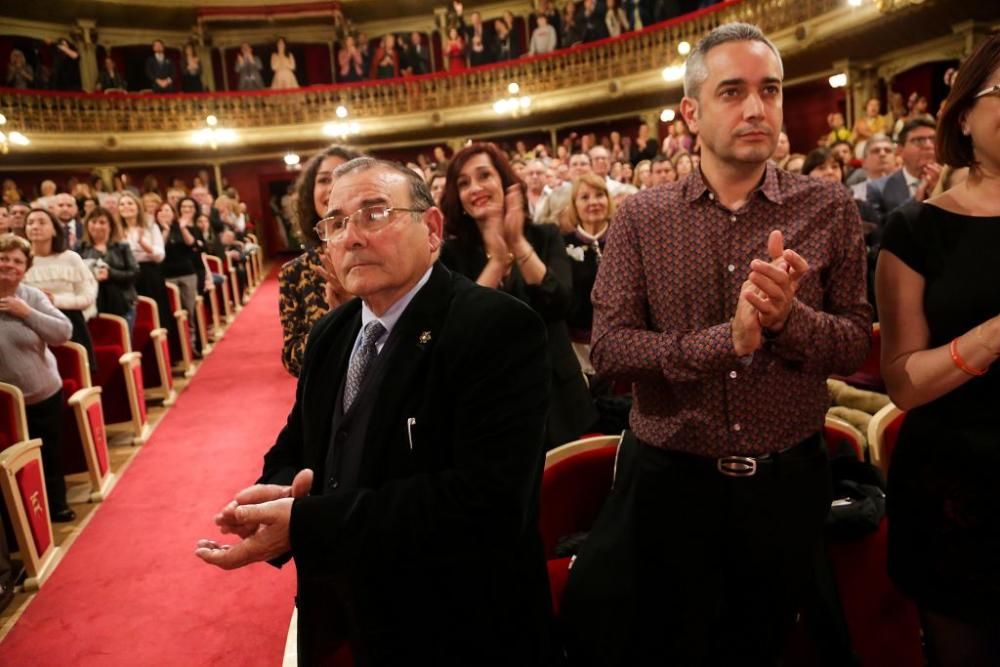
pixel 130 590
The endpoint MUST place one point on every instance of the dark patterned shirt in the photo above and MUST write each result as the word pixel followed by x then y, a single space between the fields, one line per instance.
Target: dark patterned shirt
pixel 666 292
pixel 301 303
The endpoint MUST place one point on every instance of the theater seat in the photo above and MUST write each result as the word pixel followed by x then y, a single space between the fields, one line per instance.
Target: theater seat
pixel 119 375
pixel 22 481
pixel 236 290
pixel 575 482
pixel 225 295
pixel 257 257
pixel 883 430
pixel 13 420
pixel 184 365
pixel 212 307
pixel 84 440
pixel 841 438
pixel 150 339
pixel 202 317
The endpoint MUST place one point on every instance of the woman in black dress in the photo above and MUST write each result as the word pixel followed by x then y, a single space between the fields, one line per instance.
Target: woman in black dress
pixel 191 71
pixel 485 210
pixel 938 288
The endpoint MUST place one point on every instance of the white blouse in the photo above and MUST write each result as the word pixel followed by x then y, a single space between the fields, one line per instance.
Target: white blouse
pixel 68 278
pixel 153 236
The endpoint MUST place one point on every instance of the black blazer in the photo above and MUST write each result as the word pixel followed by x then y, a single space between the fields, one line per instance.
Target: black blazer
pixel 436 557
pixel 572 410
pixel 157 70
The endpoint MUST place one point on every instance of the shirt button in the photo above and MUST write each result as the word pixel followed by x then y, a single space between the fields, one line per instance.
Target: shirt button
pixel 334 483
pixel 731 268
pixel 737 427
pixel 711 196
pixel 732 218
pixel 733 375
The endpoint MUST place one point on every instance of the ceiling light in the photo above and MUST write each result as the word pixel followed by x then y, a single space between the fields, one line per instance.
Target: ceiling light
pixel 513 88
pixel 667 115
pixel 684 48
pixel 18 138
pixel 211 121
pixel 673 73
pixel 838 80
pixel 854 3
pixel 291 159
pixel 341 111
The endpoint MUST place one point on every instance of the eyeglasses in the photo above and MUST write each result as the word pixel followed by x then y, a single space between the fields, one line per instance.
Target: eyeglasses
pixel 920 141
pixel 367 219
pixel 992 90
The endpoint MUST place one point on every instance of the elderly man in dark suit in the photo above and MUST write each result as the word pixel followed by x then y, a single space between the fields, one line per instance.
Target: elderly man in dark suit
pixel 421 408
pixel 160 70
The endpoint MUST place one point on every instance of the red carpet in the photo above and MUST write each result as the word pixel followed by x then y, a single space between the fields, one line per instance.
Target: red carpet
pixel 130 590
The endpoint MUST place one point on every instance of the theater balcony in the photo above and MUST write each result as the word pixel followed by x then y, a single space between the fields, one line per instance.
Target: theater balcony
pixel 635 75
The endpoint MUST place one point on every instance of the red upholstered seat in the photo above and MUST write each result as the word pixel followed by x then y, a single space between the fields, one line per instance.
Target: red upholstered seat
pixel 13 422
pixel 869 375
pixel 150 339
pixel 841 437
pixel 119 376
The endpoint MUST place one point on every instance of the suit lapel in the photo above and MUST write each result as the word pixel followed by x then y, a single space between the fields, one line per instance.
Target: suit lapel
pixel 411 342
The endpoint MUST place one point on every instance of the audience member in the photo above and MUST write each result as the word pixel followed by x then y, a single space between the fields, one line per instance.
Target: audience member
pixel 455 51
pixel 661 170
pixel 19 73
pixel 491 240
pixel 283 66
pixel 475 30
pixel 825 164
pixel 307 287
pixel 350 63
pixel 918 175
pixel 615 19
pixel 504 42
pixel 683 164
pixel 937 292
pixel 191 81
pixel 589 217
pixel 478 53
pixel 838 129
pixel 543 37
pixel 536 191
pixel 61 274
pixel 5 227
pixel 29 323
pixel 793 164
pixel 871 124
pixel 112 263
pixel 146 242
pixel 436 185
pixel 65 209
pixel 641 175
pixel 781 150
pixel 248 69
pixel 180 254
pixel 65 66
pixel 571 30
pixel 879 160
pixel 592 23
pixel 160 70
pixel 417 56
pixel 726 419
pixel 548 9
pixel 385 64
pixel 110 78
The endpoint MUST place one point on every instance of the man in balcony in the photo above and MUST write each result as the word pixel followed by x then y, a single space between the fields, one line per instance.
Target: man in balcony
pixel 160 70
pixel 727 337
pixel 475 32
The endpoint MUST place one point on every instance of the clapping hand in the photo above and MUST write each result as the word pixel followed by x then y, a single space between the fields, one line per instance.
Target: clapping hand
pixel 513 217
pixel 260 515
pixel 334 291
pixel 776 283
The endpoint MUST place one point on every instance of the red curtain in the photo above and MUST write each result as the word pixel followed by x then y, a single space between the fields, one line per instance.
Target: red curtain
pixel 806 108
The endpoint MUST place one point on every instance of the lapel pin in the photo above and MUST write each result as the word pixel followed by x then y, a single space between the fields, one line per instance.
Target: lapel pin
pixel 425 338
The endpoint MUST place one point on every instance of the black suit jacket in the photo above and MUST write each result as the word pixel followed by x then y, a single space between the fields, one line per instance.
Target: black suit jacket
pixel 888 193
pixel 157 70
pixel 435 558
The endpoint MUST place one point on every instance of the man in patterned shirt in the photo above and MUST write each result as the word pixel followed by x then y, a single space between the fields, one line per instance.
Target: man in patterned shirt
pixel 727 335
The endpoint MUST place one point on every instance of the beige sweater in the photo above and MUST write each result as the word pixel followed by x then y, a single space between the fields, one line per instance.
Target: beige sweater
pixel 68 278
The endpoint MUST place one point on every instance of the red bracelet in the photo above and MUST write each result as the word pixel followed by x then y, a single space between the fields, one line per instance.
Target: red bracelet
pixel 960 362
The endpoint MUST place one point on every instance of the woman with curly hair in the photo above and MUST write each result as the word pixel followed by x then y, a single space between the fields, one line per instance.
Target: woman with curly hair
pixel 308 288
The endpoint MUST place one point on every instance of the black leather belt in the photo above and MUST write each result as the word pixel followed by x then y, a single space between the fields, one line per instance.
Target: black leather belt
pixel 747 466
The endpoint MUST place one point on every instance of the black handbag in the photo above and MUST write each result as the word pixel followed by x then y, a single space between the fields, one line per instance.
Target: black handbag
pixel 858 499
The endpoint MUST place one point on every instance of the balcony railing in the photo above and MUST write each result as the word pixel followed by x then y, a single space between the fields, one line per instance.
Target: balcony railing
pixel 607 60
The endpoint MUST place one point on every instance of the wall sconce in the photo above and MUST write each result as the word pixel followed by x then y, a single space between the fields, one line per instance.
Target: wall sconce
pixel 212 135
pixel 838 80
pixel 10 137
pixel 516 104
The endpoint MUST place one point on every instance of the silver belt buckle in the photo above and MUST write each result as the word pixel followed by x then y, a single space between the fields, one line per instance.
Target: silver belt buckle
pixel 737 466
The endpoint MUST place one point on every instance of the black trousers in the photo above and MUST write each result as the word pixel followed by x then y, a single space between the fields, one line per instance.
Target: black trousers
pixel 723 562
pixel 715 566
pixel 45 422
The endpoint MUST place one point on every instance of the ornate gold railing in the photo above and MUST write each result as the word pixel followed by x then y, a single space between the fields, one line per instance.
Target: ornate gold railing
pixel 650 49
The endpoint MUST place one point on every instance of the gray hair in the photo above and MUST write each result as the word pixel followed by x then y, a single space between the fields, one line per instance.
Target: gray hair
pixel 877 139
pixel 420 193
pixel 695 70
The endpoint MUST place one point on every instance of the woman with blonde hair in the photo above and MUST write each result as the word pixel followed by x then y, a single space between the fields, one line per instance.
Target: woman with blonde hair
pixel 640 175
pixel 146 242
pixel 588 217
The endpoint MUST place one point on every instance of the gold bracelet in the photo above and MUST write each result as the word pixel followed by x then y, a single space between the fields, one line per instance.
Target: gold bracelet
pixel 522 260
pixel 982 341
pixel 510 258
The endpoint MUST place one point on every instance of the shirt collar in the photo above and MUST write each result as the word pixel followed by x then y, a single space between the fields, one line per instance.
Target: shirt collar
pixel 395 311
pixel 910 180
pixel 696 187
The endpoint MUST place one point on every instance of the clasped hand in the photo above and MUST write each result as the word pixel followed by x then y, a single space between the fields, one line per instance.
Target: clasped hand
pixel 260 516
pixel 767 296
